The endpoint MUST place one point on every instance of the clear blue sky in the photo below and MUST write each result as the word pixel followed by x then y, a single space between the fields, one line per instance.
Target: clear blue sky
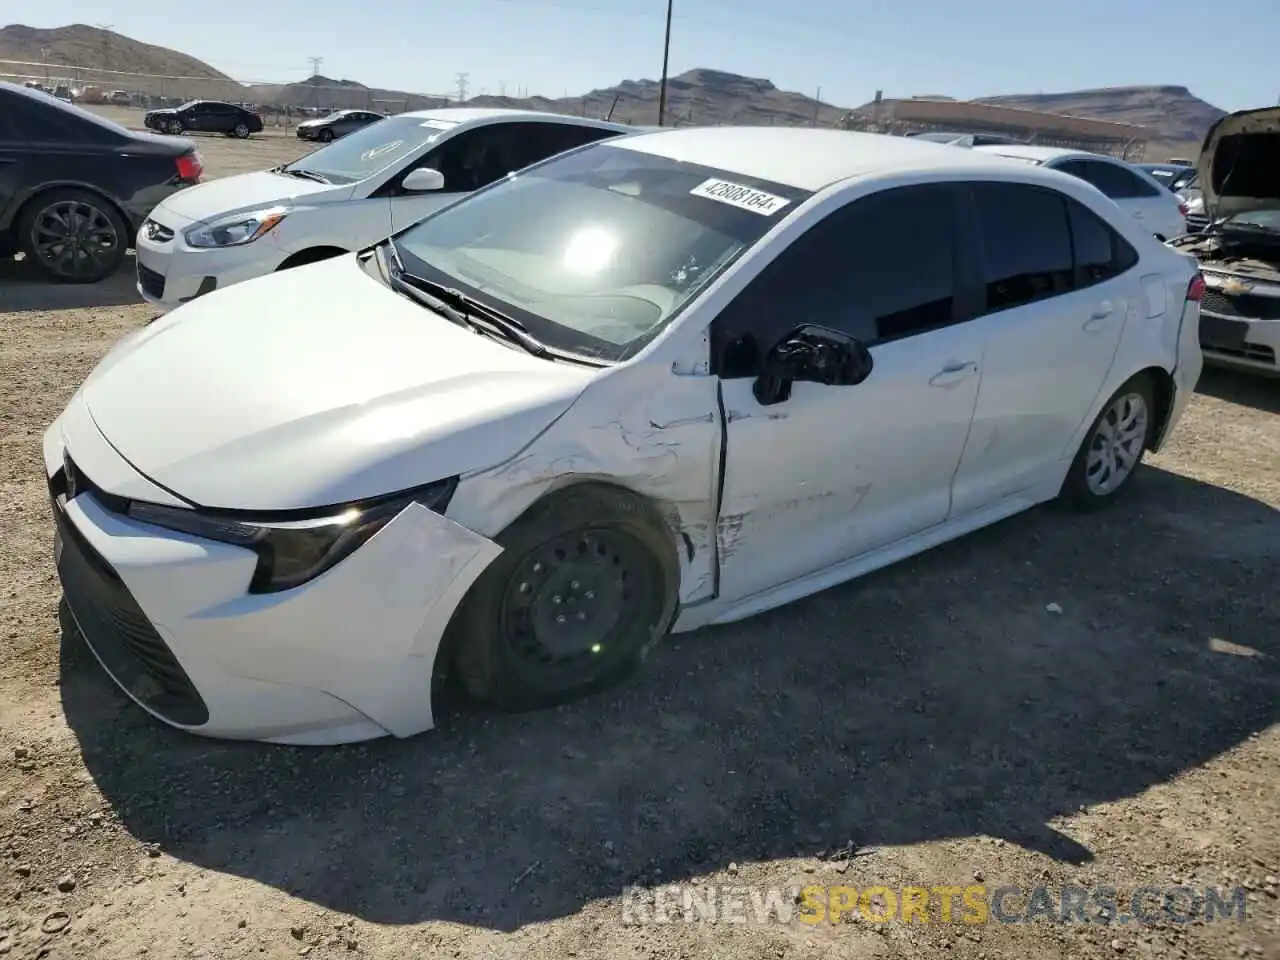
pixel 849 48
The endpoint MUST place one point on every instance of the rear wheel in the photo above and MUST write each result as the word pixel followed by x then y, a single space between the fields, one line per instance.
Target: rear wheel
pixel 586 584
pixel 242 131
pixel 1113 448
pixel 73 236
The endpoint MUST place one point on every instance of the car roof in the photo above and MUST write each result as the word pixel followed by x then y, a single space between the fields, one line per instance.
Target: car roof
pixel 461 115
pixel 1023 151
pixel 807 158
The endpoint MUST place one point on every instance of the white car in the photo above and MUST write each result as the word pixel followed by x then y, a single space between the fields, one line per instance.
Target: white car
pixel 1135 191
pixel 344 196
pixel 664 381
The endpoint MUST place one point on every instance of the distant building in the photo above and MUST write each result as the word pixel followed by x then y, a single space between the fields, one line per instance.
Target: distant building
pixel 924 114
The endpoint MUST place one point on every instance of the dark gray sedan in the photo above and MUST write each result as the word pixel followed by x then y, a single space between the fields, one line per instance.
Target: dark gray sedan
pixel 337 125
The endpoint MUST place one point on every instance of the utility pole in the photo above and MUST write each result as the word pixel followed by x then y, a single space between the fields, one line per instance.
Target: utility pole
pixel 315 74
pixel 817 105
pixel 666 60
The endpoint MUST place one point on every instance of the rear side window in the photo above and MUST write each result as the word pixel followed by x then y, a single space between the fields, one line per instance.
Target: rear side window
pixel 32 122
pixel 1100 252
pixel 1026 243
pixel 1111 178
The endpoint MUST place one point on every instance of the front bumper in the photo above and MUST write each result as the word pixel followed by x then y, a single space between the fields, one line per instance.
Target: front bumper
pixel 1241 330
pixel 170 273
pixel 346 657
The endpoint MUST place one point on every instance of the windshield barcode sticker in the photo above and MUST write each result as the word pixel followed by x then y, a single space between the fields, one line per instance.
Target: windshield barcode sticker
pixel 740 196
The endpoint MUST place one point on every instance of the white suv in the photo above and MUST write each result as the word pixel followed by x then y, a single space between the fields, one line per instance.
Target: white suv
pixel 1135 191
pixel 342 197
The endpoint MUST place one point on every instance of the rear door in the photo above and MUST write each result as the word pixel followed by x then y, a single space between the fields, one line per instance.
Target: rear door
pixel 1058 285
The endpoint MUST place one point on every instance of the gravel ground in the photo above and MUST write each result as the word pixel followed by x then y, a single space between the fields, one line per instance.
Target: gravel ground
pixel 1054 701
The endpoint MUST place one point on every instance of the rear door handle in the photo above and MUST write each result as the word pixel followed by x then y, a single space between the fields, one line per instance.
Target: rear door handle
pixel 953 373
pixel 1098 319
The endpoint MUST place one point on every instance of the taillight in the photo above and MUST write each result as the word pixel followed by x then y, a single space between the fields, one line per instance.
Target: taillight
pixel 1184 210
pixel 1195 289
pixel 189 167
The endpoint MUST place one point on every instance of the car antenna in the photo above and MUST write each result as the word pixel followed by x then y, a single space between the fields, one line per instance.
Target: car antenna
pixel 616 98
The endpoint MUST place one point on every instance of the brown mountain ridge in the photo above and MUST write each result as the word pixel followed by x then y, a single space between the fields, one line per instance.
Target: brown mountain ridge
pixel 701 96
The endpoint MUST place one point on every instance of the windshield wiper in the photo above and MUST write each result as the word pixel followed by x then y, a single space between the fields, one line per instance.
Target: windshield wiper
pixel 468 310
pixel 301 174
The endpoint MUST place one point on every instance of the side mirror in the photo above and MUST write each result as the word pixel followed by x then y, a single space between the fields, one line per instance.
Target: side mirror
pixel 812 354
pixel 423 180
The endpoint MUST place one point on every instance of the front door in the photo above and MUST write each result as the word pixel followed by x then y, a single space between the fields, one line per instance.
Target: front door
pixel 1054 312
pixel 834 472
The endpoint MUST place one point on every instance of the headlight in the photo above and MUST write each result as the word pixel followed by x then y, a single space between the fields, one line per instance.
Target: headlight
pixel 293 552
pixel 234 231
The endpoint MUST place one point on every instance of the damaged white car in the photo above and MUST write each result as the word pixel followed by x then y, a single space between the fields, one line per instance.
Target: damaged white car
pixel 1238 175
pixel 657 382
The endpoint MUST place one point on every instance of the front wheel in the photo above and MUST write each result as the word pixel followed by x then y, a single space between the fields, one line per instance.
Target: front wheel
pixel 326 136
pixel 1113 448
pixel 175 127
pixel 586 584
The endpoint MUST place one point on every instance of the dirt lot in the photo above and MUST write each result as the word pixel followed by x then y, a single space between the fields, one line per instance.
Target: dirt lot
pixel 1054 701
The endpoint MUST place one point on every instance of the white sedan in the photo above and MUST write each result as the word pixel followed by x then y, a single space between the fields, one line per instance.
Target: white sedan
pixel 1135 191
pixel 660 382
pixel 342 197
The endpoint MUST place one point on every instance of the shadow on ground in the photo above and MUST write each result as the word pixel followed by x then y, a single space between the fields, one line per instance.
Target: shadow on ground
pixel 935 699
pixel 1246 389
pixel 23 289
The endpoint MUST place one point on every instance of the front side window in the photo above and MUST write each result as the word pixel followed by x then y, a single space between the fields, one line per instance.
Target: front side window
pixel 880 268
pixel 370 150
pixel 1026 243
pixel 596 252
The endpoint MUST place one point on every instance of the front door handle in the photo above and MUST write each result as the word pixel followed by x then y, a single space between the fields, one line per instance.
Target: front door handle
pixel 953 373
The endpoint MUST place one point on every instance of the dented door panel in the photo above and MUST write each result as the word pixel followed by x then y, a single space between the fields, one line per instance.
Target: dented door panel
pixel 835 472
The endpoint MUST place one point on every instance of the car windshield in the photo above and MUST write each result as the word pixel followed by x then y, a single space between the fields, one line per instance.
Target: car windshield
pixel 597 251
pixel 371 149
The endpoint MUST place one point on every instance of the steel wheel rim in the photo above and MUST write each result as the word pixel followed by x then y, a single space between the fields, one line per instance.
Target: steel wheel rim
pixel 74 238
pixel 1117 444
pixel 566 599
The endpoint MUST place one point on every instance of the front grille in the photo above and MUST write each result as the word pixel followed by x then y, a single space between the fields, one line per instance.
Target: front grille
pixel 117 630
pixel 150 281
pixel 1246 306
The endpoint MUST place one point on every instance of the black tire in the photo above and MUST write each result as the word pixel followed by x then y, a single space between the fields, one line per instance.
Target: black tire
pixel 174 127
pixel 1088 486
pixel 241 131
pixel 325 136
pixel 601 554
pixel 93 228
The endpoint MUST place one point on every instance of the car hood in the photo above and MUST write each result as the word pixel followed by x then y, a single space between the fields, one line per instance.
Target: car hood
pixel 317 386
pixel 245 193
pixel 1239 164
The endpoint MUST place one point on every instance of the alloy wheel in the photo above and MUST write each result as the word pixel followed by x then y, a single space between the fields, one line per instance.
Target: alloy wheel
pixel 1117 444
pixel 74 238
